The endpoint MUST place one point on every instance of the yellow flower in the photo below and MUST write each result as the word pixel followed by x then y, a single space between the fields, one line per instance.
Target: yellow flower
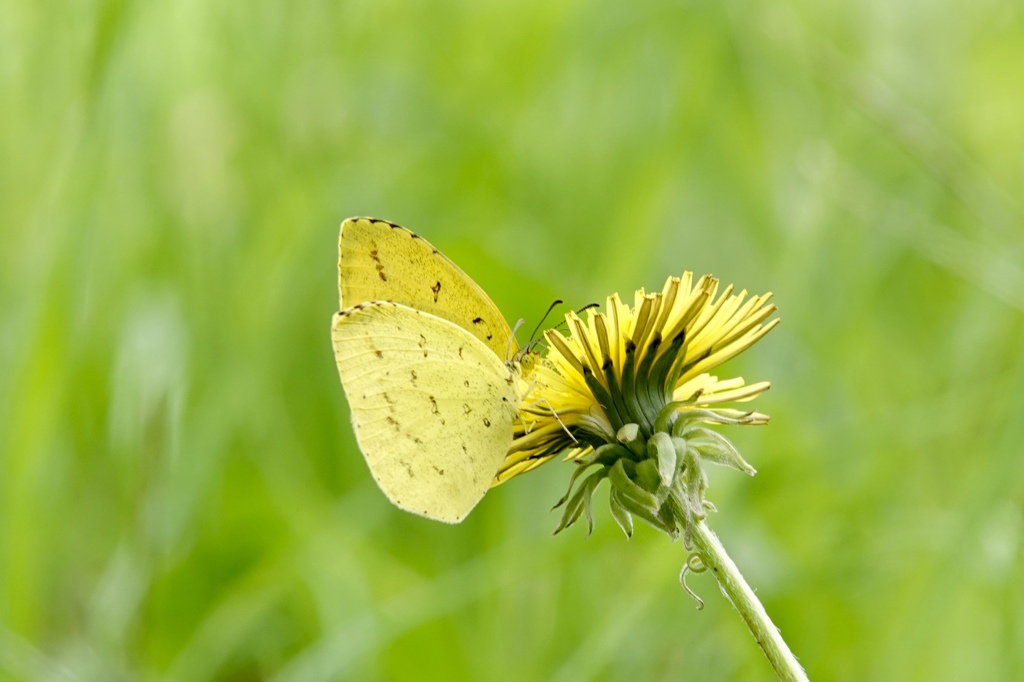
pixel 631 384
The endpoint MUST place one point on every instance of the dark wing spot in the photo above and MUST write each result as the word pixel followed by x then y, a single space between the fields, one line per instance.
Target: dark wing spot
pixel 423 344
pixel 408 468
pixel 418 441
pixel 487 422
pixel 466 409
pixel 440 472
pixel 414 377
pixel 433 405
pixel 436 289
pixel 460 350
pixel 378 353
pixel 378 264
pixel 466 383
pixel 393 422
pixel 480 320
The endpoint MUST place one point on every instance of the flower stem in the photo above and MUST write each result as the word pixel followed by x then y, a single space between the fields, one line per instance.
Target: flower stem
pixel 733 586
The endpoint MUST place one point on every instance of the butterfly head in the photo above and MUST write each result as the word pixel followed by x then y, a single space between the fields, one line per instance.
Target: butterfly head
pixel 527 359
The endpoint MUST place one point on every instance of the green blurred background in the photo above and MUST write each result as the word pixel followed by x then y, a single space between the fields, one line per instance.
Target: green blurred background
pixel 180 494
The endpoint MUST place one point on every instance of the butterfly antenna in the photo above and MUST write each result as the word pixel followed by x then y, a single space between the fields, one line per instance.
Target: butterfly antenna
pixel 589 306
pixel 557 302
pixel 511 338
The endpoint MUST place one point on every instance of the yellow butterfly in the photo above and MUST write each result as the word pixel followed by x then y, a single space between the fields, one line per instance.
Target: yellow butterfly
pixel 429 366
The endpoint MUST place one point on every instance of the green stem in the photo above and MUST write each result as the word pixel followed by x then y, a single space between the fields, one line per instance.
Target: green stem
pixel 730 580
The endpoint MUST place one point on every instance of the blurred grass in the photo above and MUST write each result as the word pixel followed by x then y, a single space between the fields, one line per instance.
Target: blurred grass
pixel 180 496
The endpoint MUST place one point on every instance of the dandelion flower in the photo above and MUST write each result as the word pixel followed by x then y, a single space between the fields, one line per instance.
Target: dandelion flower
pixel 629 396
pixel 630 391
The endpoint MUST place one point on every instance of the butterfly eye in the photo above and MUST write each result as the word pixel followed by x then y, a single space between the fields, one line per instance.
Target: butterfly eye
pixel 528 362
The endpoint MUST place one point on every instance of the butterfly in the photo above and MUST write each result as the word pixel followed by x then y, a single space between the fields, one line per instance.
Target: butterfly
pixel 431 370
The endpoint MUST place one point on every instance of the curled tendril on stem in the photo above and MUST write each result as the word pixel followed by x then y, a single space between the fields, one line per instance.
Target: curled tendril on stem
pixel 693 564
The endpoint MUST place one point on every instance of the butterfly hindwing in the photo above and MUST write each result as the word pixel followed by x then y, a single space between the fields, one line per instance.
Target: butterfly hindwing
pixel 432 406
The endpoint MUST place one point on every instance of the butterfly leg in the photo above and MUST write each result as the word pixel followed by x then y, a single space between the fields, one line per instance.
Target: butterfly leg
pixel 551 409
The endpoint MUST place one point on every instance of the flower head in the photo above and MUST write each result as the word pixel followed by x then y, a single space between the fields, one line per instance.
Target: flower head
pixel 629 391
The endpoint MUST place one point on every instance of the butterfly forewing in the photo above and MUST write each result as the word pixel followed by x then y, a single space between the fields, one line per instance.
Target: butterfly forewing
pixel 380 261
